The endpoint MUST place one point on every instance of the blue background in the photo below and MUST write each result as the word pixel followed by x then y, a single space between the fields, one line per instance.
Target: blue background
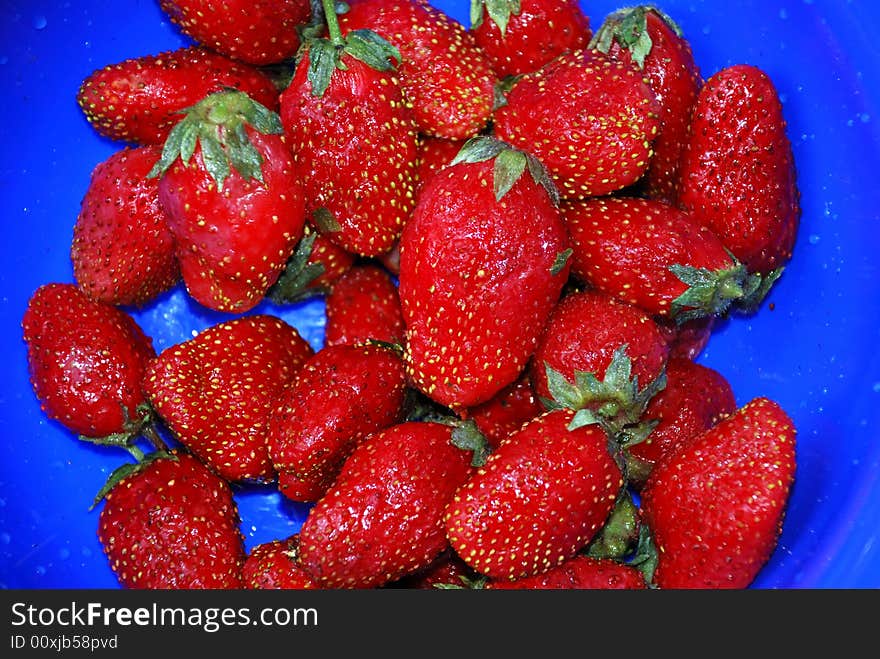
pixel 815 351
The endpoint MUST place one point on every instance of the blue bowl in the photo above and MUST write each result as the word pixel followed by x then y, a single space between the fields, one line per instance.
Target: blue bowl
pixel 813 347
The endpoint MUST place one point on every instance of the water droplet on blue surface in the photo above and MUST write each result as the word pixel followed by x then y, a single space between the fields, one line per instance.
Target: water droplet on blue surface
pixel 64 553
pixel 783 13
pixel 40 22
pixel 40 570
pixel 5 538
pixel 814 239
pixel 876 387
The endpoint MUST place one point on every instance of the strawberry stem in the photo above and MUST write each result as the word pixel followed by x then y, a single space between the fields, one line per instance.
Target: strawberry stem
pixel 333 30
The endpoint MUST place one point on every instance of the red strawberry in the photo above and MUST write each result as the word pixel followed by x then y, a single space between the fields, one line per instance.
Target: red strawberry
pixel 447 571
pixel 521 36
pixel 659 259
pixel 445 76
pixel 171 523
pixel 694 399
pixel 137 100
pixel 716 506
pixel 391 259
pixel 307 489
pixel 434 154
pixel 234 200
pixel 483 262
pixel 363 304
pixel 600 355
pixel 85 360
pixel 579 573
pixel 738 145
pixel 539 499
pixel 315 264
pixel 217 390
pixel 589 119
pixel 123 251
pixel 507 411
pixel 352 134
pixel 275 566
pixel 256 31
pixel 383 517
pixel 646 36
pixel 688 339
pixel 341 395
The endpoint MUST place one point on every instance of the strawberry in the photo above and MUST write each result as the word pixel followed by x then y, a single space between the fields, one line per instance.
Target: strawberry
pixel 602 356
pixel 434 154
pixel 383 517
pixel 123 251
pixel 137 100
pixel 447 571
pixel 217 390
pixel 482 263
pixel 521 36
pixel 445 76
pixel 274 566
pixel 579 573
pixel 171 523
pixel 659 259
pixel 647 37
pixel 695 398
pixel 85 359
pixel 352 134
pixel 539 499
pixel 738 145
pixel 307 489
pixel 507 411
pixel 234 200
pixel 588 118
pixel 258 32
pixel 314 265
pixel 686 339
pixel 391 259
pixel 363 304
pixel 716 506
pixel 342 394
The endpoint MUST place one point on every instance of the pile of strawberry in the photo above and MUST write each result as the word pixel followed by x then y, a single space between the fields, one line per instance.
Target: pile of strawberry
pixel 524 232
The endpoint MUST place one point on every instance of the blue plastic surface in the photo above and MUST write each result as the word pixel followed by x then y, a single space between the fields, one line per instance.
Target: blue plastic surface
pixel 813 347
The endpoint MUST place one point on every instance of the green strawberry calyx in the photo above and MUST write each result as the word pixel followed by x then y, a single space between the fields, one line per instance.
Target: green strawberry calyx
pixel 128 469
pixel 499 12
pixel 615 402
pixel 629 28
pixel 510 164
pixel 217 124
pixel 143 425
pixel 465 433
pixel 326 55
pixel 294 282
pixel 716 292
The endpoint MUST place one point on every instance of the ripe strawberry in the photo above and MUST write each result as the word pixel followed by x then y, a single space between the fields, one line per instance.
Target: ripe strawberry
pixel 738 145
pixel 171 523
pixel 383 517
pixel 138 100
pixel 588 118
pixel 349 128
pixel 579 573
pixel 233 198
pixel 507 411
pixel 123 251
pixel 716 506
pixel 539 499
pixel 695 398
pixel 447 571
pixel 275 566
pixel 687 339
pixel 363 304
pixel 659 259
pixel 255 31
pixel 521 36
pixel 646 36
pixel 217 390
pixel 445 76
pixel 391 259
pixel 483 262
pixel 600 355
pixel 341 395
pixel 434 154
pixel 85 360
pixel 312 268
